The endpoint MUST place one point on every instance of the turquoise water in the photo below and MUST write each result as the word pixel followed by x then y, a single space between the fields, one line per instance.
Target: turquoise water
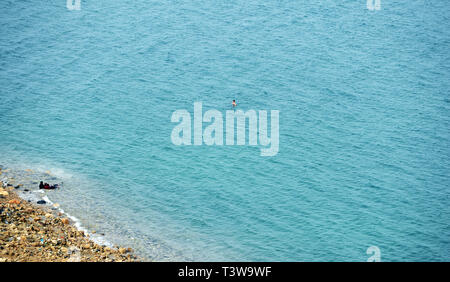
pixel 364 106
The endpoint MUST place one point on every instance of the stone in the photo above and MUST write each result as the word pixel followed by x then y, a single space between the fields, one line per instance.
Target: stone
pixel 30 233
pixel 41 202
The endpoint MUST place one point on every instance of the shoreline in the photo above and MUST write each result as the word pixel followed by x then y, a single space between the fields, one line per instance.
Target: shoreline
pixel 32 233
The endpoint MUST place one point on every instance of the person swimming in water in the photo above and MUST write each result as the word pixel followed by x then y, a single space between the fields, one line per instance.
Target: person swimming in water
pixel 234 103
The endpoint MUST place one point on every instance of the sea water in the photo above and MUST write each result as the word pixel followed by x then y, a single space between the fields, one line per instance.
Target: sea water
pixel 86 98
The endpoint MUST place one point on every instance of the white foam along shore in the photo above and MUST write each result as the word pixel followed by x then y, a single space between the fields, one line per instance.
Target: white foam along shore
pixel 34 195
pixel 32 233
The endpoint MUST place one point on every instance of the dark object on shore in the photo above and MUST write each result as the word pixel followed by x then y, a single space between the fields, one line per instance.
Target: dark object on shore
pixel 41 202
pixel 47 186
pixel 17 187
pixel 26 190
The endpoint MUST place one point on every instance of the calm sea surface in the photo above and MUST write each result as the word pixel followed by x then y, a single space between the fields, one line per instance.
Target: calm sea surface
pixel 364 106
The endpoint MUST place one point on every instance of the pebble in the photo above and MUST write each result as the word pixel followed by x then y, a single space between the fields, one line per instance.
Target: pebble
pixel 29 233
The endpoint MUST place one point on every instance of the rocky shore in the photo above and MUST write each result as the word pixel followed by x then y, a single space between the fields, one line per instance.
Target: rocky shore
pixel 31 233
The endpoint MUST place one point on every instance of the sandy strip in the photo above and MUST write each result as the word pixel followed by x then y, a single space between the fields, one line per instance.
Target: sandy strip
pixel 30 232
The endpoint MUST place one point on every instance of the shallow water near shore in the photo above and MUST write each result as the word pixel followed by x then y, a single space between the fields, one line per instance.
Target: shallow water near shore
pixel 86 99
